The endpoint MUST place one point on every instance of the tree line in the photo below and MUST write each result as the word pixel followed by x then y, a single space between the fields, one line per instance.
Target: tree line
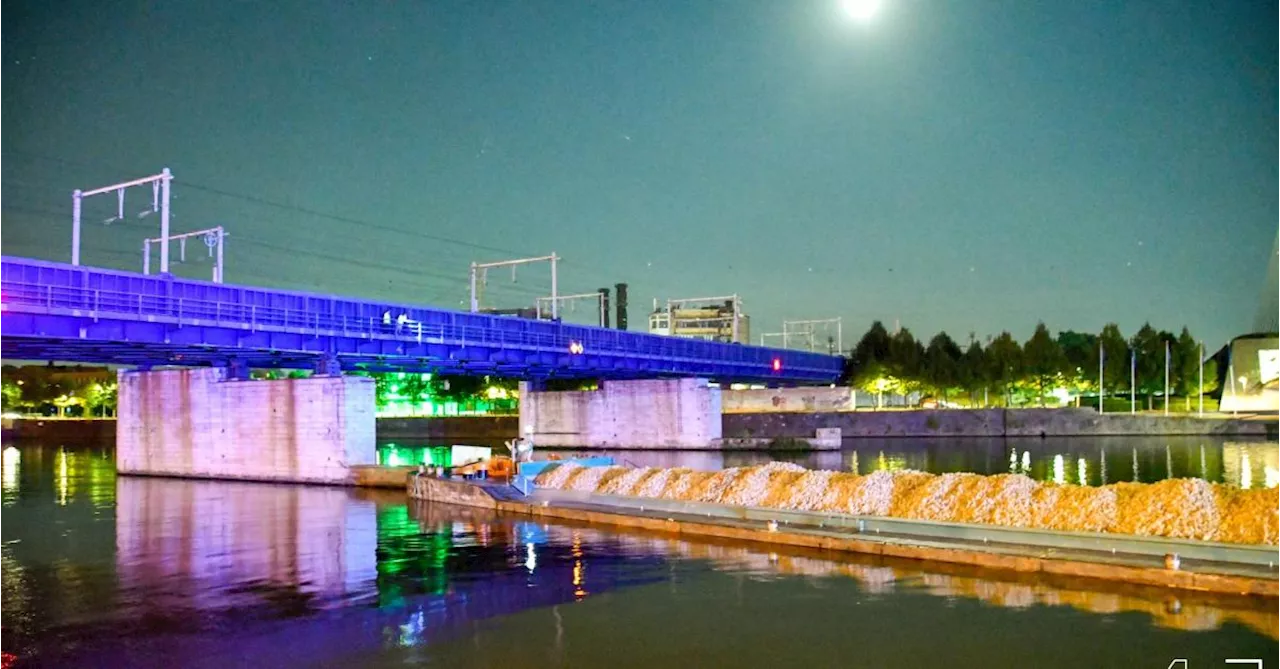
pixel 1007 372
pixel 62 391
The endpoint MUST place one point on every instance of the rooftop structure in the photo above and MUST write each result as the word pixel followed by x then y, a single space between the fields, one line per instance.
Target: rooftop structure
pixel 718 319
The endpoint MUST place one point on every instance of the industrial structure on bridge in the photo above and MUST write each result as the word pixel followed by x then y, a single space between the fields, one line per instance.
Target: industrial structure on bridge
pixel 717 319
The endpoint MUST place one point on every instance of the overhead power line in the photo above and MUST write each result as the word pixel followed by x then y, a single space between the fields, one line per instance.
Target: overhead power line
pixel 182 184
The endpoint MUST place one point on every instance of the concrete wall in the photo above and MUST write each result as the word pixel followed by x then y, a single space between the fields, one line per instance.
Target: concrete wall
pixel 381 476
pixel 193 422
pixel 56 431
pixel 476 428
pixel 780 400
pixel 982 423
pixel 675 413
pixel 432 489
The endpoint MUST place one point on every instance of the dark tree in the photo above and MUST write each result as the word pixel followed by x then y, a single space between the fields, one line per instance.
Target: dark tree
pixel 1187 366
pixel 1004 362
pixel 381 389
pixel 12 394
pixel 874 345
pixel 869 357
pixel 1081 352
pixel 942 364
pixel 1116 351
pixel 415 387
pixel 973 375
pixel 1043 359
pixel 906 357
pixel 1150 363
pixel 457 388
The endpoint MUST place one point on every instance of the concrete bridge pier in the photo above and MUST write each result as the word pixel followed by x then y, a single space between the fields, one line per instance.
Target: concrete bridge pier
pixel 204 423
pixel 665 413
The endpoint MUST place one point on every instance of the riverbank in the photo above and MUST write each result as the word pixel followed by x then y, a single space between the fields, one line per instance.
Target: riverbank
pixel 1067 422
pixel 767 526
pixel 60 430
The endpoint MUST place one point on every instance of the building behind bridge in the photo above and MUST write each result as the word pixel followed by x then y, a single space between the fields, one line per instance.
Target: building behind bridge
pixel 719 322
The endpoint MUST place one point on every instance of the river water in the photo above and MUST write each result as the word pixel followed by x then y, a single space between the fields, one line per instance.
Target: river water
pixel 100 570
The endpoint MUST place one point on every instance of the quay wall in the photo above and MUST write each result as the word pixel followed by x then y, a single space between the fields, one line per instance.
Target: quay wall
pixel 784 400
pixel 59 431
pixel 450 428
pixel 986 423
pixel 444 491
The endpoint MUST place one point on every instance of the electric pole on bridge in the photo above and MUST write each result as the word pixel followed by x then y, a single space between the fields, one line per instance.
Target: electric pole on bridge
pixel 160 187
pixel 480 275
pixel 601 299
pixel 808 329
pixel 213 240
pixel 772 334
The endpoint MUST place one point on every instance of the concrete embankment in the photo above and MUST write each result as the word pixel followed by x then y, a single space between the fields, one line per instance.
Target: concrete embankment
pixel 55 431
pixel 474 428
pixel 987 423
pixel 752 430
pixel 785 529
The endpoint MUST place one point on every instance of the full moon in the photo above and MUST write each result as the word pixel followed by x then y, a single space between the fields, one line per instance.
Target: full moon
pixel 860 10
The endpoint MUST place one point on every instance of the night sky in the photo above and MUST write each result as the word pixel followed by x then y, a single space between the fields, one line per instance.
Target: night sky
pixel 967 166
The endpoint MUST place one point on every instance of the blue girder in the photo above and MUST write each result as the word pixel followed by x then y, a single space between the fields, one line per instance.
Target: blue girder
pixel 55 311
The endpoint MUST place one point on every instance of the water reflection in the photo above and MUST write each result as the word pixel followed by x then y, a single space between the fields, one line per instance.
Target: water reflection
pixel 1093 461
pixel 163 572
pixel 9 464
pixel 1249 464
pixel 225 545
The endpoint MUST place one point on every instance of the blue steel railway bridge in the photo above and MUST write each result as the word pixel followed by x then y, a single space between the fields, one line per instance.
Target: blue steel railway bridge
pixel 186 407
pixel 54 311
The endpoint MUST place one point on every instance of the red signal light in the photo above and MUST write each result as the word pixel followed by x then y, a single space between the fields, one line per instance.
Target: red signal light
pixel 777 365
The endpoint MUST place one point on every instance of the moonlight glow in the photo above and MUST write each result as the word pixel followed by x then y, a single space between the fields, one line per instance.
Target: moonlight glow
pixel 860 10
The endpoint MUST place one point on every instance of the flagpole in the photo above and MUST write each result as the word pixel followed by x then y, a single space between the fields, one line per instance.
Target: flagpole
pixel 1102 356
pixel 1166 377
pixel 1202 378
pixel 1133 381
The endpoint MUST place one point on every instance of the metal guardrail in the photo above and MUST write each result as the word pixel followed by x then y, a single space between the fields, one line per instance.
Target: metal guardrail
pixel 876 527
pixel 322 318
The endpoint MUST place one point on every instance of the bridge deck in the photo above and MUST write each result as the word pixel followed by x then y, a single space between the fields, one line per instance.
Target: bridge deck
pixel 54 311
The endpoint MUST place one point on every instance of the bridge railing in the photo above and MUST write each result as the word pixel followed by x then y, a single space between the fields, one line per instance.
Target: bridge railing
pixel 39 285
